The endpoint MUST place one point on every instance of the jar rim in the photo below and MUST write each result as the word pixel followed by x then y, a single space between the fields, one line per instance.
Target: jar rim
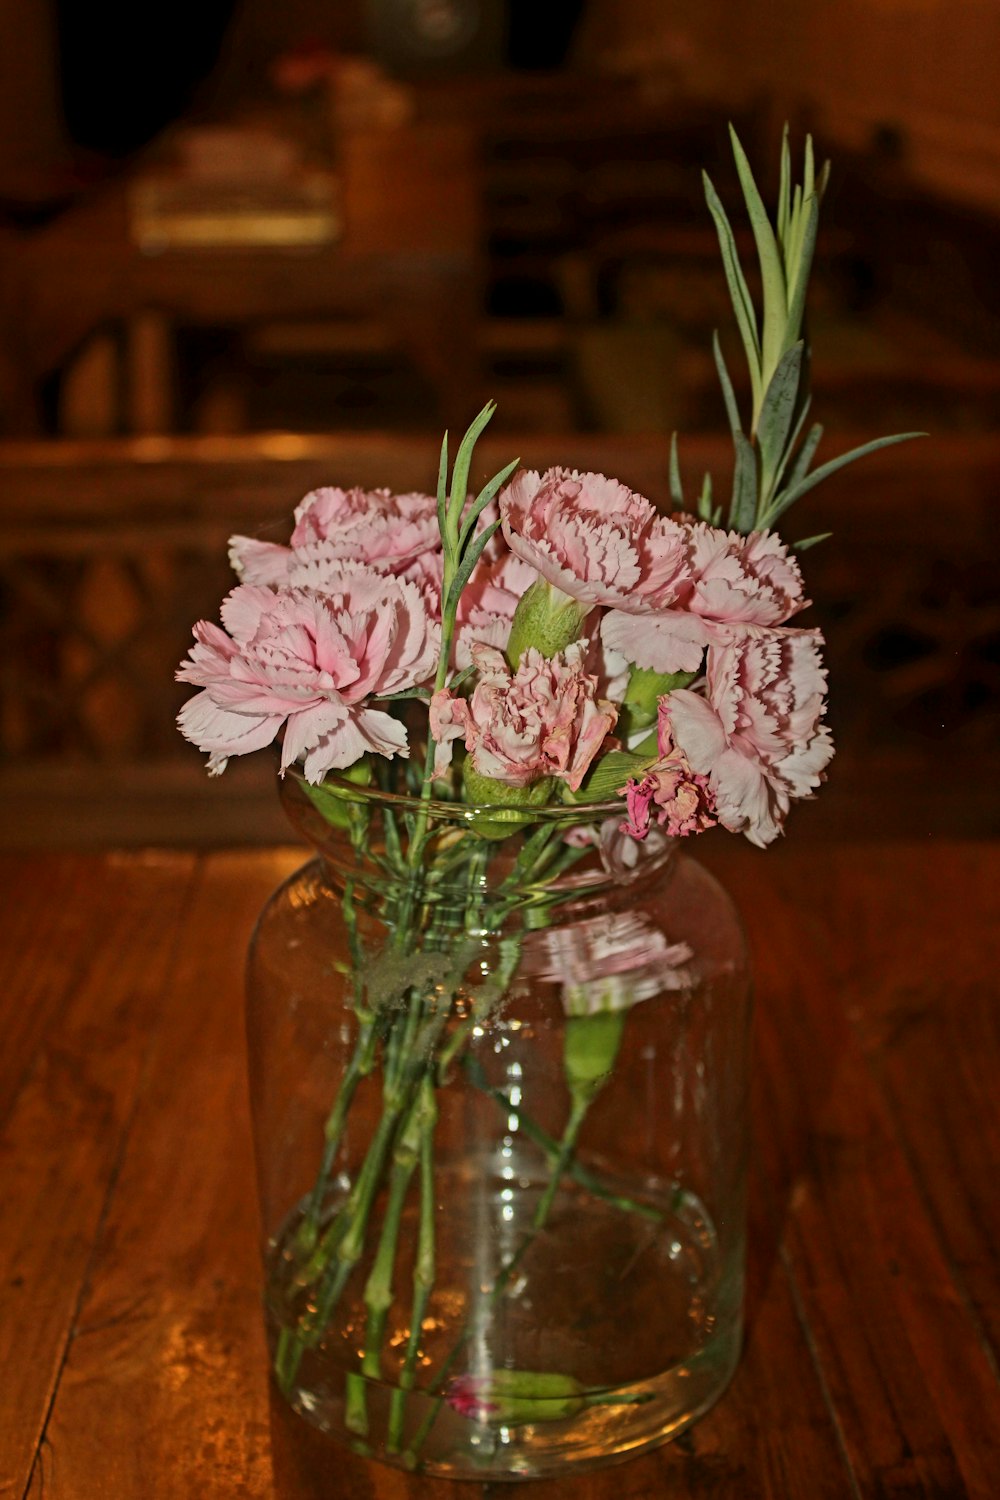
pixel 438 808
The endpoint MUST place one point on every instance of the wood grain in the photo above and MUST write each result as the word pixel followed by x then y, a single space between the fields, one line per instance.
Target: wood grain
pixel 130 1331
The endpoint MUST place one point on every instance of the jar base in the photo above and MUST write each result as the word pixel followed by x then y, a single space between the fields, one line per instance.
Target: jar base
pixel 601 1294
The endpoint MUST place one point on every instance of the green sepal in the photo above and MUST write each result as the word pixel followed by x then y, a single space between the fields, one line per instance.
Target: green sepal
pixel 546 619
pixel 507 809
pixel 590 1050
pixel 644 691
pixel 608 775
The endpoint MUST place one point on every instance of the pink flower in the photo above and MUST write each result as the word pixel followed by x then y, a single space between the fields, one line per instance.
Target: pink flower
pixel 758 733
pixel 734 582
pixel 308 663
pixel 680 799
pixel 375 527
pixel 543 720
pixel 593 538
pixel 469 1396
pixel 748 579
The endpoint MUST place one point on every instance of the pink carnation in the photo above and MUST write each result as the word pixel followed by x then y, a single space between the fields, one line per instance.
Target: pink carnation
pixel 593 538
pixel 375 527
pixel 308 662
pixel 758 733
pixel 734 582
pixel 677 797
pixel 543 720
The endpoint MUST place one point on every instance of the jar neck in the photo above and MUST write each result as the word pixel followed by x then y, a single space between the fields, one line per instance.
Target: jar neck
pixel 396 855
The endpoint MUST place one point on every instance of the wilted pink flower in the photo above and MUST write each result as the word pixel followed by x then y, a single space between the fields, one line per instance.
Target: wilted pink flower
pixel 734 581
pixel 374 527
pixel 542 720
pixel 593 538
pixel 678 798
pixel 308 662
pixel 758 733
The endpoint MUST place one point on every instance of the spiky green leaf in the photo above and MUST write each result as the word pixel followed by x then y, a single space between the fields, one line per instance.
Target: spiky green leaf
pixel 810 481
pixel 773 341
pixel 743 307
pixel 472 555
pixel 811 541
pixel 776 417
pixel 488 492
pixel 463 463
pixel 442 486
pixel 705 507
pixel 728 395
pixel 743 506
pixel 676 487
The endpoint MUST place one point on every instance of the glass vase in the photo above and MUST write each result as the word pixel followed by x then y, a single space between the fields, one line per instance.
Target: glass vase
pixel 499 1100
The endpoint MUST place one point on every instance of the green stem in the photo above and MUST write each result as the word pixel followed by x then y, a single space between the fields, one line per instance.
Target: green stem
pixel 378 1287
pixel 423 1282
pixel 579 1105
pixel 573 1168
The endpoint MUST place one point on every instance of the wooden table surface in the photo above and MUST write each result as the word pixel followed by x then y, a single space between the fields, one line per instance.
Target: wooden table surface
pixel 131 1344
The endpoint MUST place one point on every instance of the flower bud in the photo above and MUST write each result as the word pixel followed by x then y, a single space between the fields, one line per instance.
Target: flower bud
pixel 512 1397
pixel 590 1050
pixel 334 802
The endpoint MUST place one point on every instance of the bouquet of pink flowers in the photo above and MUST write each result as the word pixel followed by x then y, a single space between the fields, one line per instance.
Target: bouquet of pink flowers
pixel 543 640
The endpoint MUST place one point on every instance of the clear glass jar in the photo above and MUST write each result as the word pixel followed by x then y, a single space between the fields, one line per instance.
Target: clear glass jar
pixel 499 1104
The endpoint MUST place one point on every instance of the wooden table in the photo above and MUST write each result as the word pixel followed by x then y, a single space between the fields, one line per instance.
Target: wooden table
pixel 130 1338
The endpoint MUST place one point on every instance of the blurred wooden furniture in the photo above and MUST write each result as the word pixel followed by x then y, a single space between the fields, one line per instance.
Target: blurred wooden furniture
pixel 110 551
pixel 406 261
pixel 131 1337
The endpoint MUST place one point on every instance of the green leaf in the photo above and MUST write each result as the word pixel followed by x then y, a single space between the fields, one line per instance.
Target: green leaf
pixel 442 487
pixel 796 434
pixel 805 455
pixel 785 189
pixel 465 567
pixel 463 462
pixel 810 541
pixel 705 506
pixel 798 272
pixel 773 339
pixel 793 493
pixel 743 506
pixel 460 678
pixel 732 410
pixel 746 318
pixel 486 494
pixel 608 775
pixel 416 692
pixel 676 488
pixel 776 416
